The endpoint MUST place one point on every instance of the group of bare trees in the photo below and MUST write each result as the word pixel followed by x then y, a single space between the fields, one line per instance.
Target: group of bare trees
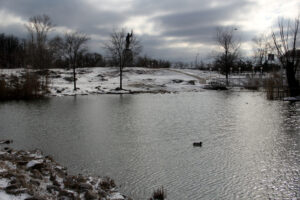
pixel 12 51
pixel 42 51
pixel 283 42
pixel 69 50
pixel 38 28
pixel 286 43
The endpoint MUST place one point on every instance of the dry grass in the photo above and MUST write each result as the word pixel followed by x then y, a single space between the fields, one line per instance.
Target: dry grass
pixel 252 84
pixel 28 86
pixel 159 194
pixel 271 85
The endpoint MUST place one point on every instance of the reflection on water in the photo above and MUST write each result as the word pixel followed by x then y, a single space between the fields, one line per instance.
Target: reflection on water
pixel 250 145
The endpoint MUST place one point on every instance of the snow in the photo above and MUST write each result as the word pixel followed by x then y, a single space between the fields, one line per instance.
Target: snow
pixel 116 196
pixel 5 196
pixel 32 163
pixel 105 80
pixel 292 98
pixel 4 182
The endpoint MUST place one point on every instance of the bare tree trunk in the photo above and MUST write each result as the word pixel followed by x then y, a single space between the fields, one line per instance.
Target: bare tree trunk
pixel 74 77
pixel 121 74
pixel 227 82
pixel 286 50
pixel 226 68
pixel 293 84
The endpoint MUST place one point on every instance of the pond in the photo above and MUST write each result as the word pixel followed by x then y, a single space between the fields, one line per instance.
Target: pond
pixel 250 145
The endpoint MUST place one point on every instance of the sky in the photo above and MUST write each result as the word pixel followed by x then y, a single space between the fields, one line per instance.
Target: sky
pixel 176 30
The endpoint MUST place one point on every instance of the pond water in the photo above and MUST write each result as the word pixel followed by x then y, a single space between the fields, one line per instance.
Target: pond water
pixel 250 145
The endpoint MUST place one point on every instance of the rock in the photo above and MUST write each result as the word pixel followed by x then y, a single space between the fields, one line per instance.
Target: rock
pixel 56 183
pixel 177 81
pixel 35 182
pixel 6 141
pixel 51 188
pixel 22 162
pixel 101 192
pixel 17 191
pixel 12 187
pixel 8 150
pixel 191 82
pixel 116 196
pixel 84 187
pixel 34 198
pixel 41 178
pixel 70 182
pixel 107 183
pixel 90 195
pixel 52 177
pixel 63 194
pixel 36 174
pixel 7 175
pixel 35 164
pixel 81 179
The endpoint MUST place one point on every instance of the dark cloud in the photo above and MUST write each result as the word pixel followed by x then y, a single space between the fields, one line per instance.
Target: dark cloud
pixel 200 24
pixel 189 21
pixel 74 14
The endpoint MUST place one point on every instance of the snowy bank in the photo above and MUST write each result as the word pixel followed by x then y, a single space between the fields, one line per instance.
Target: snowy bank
pixel 135 80
pixel 29 175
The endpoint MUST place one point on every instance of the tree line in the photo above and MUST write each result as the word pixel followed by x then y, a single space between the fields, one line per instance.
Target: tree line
pixel 38 51
pixel 282 43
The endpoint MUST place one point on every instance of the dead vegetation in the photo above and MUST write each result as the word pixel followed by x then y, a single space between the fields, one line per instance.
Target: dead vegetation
pixel 25 87
pixel 159 194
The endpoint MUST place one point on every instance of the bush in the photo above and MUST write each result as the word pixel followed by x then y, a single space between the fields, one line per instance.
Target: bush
pixel 28 86
pixel 159 194
pixel 252 84
pixel 272 86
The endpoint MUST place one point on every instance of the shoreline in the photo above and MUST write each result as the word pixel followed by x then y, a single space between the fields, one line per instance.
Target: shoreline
pixel 30 175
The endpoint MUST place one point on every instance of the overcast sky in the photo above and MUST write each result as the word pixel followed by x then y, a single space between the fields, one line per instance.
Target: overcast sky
pixel 177 30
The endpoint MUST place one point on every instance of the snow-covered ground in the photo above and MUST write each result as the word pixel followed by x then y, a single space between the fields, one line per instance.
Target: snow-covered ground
pixel 135 80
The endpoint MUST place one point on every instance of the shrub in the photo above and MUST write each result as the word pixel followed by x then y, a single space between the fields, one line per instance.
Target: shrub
pixel 159 194
pixel 273 83
pixel 252 84
pixel 25 87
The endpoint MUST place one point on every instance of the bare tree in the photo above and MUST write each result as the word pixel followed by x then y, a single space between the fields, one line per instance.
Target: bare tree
pixel 230 45
pixel 286 43
pixel 56 48
pixel 262 47
pixel 123 49
pixel 38 28
pixel 74 45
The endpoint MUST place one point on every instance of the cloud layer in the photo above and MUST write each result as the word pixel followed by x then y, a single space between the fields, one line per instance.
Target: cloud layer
pixel 168 29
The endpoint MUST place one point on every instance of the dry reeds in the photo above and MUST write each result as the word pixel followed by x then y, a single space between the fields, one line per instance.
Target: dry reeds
pixel 159 194
pixel 25 87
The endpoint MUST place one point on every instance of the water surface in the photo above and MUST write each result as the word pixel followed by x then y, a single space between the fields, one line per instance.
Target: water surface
pixel 250 145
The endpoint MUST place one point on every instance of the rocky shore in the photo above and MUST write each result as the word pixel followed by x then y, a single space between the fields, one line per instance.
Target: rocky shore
pixel 29 175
